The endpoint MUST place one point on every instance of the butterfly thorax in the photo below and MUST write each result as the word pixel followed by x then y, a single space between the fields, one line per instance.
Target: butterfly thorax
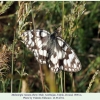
pixel 51 44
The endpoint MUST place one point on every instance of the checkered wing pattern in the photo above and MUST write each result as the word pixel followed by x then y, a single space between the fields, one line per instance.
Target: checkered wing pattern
pixel 52 50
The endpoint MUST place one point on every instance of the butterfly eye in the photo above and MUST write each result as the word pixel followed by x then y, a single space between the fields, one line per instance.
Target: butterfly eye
pixel 53 51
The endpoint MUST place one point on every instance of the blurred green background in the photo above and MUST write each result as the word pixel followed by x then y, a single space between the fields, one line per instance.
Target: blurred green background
pixel 19 70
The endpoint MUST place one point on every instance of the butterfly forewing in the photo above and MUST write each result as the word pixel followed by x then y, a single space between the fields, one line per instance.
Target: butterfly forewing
pixel 36 41
pixel 64 58
pixel 51 50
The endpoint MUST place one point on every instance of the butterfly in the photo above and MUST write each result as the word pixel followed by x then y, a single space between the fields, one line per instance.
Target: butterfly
pixel 52 50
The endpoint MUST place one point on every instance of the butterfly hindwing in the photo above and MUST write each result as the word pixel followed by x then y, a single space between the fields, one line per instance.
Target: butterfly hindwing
pixel 71 62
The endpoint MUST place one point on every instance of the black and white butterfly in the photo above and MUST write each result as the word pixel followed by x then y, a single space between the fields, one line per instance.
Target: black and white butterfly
pixel 52 50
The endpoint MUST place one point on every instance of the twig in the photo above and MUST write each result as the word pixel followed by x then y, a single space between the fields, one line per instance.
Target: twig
pixel 92 80
pixel 63 36
pixel 12 63
pixel 7 16
pixel 41 75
